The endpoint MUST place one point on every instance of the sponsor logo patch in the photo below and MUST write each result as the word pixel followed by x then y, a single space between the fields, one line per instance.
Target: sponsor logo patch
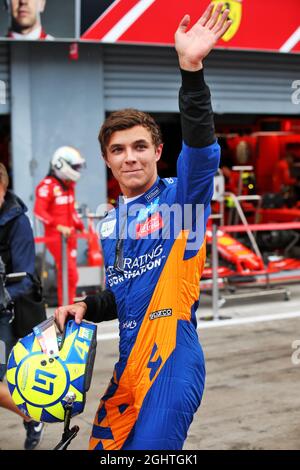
pixel 150 225
pixel 85 333
pixel 62 200
pixel 43 191
pixel 57 191
pixel 145 212
pixel 167 312
pixel 108 227
pixel 170 180
pixel 129 325
pixel 155 192
pixel 138 266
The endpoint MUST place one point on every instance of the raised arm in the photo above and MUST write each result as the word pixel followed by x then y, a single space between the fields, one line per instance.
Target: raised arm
pixel 199 159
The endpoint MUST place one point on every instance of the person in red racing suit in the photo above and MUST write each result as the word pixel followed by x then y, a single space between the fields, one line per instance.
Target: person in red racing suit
pixel 55 207
pixel 154 262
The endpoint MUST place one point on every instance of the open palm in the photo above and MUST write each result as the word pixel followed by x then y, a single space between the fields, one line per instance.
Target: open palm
pixel 196 43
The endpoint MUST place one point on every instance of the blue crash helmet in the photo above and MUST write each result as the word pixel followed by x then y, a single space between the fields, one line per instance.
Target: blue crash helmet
pixel 41 385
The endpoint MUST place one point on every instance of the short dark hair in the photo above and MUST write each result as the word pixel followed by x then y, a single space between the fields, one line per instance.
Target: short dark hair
pixel 4 179
pixel 126 119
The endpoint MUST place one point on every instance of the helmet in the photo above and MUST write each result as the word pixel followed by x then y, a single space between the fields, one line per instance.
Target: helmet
pixel 66 163
pixel 40 385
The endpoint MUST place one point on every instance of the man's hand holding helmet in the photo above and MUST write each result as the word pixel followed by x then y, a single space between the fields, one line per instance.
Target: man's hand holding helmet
pixel 77 310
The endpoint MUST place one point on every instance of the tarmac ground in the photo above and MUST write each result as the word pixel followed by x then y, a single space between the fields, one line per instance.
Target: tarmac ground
pixel 251 399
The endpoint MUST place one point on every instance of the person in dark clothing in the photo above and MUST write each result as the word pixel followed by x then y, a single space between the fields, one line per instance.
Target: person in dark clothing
pixel 18 254
pixel 16 250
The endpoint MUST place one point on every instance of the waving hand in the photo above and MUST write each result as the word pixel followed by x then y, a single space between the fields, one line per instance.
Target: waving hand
pixel 195 44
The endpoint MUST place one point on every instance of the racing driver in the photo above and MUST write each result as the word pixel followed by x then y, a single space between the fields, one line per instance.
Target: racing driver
pixel 55 207
pixel 153 266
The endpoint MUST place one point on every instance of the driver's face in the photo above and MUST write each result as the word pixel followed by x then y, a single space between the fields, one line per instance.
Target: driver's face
pixel 25 13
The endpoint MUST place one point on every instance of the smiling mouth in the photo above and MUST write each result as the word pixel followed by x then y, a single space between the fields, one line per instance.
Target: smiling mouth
pixel 131 171
pixel 23 11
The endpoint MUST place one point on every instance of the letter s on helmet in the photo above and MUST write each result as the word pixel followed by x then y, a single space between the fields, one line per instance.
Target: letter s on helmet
pixel 67 163
pixel 41 385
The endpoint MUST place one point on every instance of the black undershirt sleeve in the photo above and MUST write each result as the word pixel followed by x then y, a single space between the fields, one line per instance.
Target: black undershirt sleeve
pixel 197 121
pixel 101 307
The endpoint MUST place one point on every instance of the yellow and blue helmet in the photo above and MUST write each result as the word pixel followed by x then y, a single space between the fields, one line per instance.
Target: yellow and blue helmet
pixel 41 385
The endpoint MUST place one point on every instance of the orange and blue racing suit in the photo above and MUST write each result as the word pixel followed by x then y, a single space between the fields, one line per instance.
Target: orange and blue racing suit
pixel 154 258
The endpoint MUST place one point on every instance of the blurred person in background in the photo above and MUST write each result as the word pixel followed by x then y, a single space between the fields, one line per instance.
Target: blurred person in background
pixel 5 146
pixel 55 207
pixel 17 252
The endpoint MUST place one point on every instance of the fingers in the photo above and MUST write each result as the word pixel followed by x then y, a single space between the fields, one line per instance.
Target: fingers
pixel 61 314
pixel 206 15
pixel 76 310
pixel 59 319
pixel 184 23
pixel 79 315
pixel 224 29
pixel 223 22
pixel 214 17
pixel 215 21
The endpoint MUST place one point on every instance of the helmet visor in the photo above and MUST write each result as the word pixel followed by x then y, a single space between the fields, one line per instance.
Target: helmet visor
pixel 78 166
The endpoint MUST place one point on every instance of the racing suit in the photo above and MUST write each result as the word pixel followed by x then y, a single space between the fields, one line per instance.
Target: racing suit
pixel 38 33
pixel 55 205
pixel 153 267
